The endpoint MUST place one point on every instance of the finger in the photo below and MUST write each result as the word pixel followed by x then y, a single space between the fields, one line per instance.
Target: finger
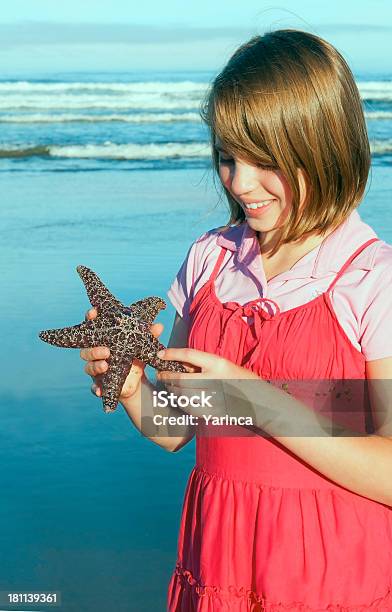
pixel 190 381
pixel 98 352
pixel 137 367
pixel 190 369
pixel 91 314
pixel 96 390
pixel 180 376
pixel 96 387
pixel 188 355
pixel 93 368
pixel 156 329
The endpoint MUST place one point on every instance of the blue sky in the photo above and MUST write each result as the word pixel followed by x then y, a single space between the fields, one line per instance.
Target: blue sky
pixel 119 35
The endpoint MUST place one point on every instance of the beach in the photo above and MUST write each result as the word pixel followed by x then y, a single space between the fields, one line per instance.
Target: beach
pixel 90 507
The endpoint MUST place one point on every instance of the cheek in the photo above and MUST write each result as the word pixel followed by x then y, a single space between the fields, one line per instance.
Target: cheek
pixel 282 187
pixel 224 175
pixel 288 195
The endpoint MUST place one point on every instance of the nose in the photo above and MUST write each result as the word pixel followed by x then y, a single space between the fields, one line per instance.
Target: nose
pixel 244 179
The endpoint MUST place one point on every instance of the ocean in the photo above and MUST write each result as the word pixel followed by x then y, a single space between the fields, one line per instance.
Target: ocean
pixel 111 171
pixel 149 121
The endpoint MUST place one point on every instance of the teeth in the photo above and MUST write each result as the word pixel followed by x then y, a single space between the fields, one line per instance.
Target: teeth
pixel 255 205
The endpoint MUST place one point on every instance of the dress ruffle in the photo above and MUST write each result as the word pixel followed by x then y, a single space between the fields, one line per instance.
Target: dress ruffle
pixel 237 537
pixel 187 594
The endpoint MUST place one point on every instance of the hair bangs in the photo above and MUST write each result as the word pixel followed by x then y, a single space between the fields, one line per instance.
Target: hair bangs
pixel 229 114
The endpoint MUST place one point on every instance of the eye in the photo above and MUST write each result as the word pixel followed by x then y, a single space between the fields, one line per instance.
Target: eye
pixel 268 167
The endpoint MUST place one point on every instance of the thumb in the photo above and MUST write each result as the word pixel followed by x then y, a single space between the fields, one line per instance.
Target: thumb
pixel 191 356
pixel 156 329
pixel 91 314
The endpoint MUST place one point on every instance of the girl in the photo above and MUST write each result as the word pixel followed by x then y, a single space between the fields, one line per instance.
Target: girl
pixel 296 287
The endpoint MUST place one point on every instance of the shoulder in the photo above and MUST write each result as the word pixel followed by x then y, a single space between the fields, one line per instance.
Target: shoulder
pixel 198 265
pixel 374 262
pixel 225 233
pixel 383 256
pixel 208 245
pixel 375 316
pixel 378 263
pixel 371 278
pixel 373 295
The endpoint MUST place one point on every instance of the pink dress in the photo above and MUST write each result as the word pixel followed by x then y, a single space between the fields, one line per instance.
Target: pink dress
pixel 261 529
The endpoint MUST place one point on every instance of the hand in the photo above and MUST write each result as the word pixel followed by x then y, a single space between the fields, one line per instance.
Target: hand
pixel 97 364
pixel 210 368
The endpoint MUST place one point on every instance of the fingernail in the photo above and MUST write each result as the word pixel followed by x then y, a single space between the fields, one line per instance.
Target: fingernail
pixel 161 354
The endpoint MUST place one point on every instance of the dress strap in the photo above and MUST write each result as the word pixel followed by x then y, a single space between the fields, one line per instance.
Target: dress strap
pixel 218 263
pixel 349 261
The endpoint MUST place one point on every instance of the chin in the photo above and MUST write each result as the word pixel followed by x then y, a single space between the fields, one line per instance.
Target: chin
pixel 261 225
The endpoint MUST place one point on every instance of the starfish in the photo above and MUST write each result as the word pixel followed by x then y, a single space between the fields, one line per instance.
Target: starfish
pixel 124 330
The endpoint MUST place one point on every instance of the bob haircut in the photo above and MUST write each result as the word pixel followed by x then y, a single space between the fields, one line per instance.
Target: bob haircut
pixel 287 100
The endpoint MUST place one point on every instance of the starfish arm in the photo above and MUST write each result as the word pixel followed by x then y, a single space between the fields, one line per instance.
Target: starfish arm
pixel 148 308
pixel 99 296
pixel 148 350
pixel 113 380
pixel 79 336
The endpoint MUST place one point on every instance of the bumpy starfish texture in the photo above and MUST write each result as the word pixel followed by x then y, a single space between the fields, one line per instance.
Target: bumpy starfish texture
pixel 124 330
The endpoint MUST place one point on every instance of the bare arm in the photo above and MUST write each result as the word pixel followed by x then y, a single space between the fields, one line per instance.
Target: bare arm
pixel 133 404
pixel 137 387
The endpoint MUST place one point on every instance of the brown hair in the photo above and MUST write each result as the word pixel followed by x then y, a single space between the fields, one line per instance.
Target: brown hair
pixel 288 100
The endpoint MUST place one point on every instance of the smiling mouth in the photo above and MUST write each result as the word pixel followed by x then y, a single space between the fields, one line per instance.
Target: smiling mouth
pixel 256 205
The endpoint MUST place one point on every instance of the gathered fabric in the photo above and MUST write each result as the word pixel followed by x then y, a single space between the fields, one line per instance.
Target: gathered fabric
pixel 261 529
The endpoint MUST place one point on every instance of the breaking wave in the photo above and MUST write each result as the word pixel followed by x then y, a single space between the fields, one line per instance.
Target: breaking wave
pixel 112 151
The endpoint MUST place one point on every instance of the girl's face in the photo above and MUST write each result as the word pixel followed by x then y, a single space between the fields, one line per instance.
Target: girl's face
pixel 252 185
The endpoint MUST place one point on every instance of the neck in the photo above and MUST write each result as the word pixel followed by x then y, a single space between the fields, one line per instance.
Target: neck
pixel 286 251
